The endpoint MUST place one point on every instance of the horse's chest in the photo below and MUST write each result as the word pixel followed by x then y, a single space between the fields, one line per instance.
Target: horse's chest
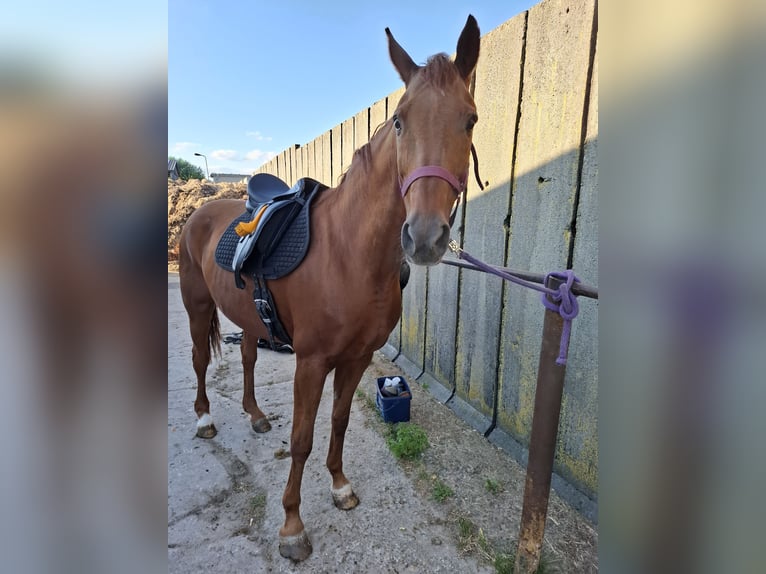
pixel 380 317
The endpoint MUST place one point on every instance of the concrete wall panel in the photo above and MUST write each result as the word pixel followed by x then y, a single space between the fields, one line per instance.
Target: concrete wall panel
pixel 335 156
pixel 377 115
pixel 577 449
pixel 324 159
pixel 311 167
pixel 292 153
pixel 486 213
pixel 269 167
pixel 544 190
pixel 414 300
pixel 392 101
pixel 347 143
pixel 299 153
pixel 361 128
pixel 283 164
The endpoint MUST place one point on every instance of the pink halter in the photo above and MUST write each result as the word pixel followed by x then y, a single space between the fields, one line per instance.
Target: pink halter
pixel 433 171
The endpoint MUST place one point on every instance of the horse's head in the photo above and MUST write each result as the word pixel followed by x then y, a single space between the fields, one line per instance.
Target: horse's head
pixel 433 125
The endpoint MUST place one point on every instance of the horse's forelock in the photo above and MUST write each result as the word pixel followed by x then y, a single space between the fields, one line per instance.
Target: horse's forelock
pixel 440 70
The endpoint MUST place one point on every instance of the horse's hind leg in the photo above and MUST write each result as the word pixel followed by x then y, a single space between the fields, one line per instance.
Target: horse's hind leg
pixel 258 419
pixel 347 377
pixel 205 333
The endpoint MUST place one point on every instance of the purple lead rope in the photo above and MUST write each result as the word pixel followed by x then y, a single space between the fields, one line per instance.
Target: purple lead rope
pixel 565 304
pixel 564 301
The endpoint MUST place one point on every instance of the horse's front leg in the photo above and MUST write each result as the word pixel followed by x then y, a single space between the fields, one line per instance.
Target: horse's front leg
pixel 347 377
pixel 294 543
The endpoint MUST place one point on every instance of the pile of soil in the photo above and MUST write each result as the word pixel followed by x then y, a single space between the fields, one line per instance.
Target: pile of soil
pixel 186 196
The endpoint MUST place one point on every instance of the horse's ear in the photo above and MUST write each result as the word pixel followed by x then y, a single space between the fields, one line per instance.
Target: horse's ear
pixel 401 59
pixel 468 49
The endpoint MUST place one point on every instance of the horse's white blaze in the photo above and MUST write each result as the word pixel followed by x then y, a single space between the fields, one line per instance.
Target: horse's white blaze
pixel 204 421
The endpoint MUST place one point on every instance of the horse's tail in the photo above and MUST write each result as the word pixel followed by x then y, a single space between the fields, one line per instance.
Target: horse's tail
pixel 214 335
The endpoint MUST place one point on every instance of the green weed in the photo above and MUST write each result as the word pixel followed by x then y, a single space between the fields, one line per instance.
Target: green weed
pixel 504 563
pixel 407 440
pixel 492 486
pixel 441 491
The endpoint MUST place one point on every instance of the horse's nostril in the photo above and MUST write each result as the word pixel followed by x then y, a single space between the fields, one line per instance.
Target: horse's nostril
pixel 443 240
pixel 407 242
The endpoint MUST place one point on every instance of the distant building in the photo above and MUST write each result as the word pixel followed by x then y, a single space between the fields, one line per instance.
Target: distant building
pixel 172 169
pixel 229 178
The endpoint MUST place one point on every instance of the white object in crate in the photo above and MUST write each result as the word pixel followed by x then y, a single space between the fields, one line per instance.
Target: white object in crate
pixel 391 386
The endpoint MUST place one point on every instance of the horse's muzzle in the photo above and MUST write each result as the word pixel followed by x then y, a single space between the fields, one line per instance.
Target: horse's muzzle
pixel 425 239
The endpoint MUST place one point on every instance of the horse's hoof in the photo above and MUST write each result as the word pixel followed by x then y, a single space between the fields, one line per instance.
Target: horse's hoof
pixel 208 431
pixel 296 547
pixel 261 425
pixel 344 498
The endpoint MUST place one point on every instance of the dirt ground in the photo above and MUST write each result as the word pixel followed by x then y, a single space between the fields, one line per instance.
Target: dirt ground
pixel 224 494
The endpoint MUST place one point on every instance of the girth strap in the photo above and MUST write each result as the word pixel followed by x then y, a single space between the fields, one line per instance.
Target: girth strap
pixel 267 311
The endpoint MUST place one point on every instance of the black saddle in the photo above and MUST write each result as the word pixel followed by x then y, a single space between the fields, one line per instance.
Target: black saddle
pixel 280 241
pixel 263 188
pixel 275 247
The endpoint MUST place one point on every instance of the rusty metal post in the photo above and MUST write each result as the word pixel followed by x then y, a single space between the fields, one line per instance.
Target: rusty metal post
pixel 542 445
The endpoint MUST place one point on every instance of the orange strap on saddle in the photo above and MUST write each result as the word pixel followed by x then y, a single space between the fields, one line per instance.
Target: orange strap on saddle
pixel 243 228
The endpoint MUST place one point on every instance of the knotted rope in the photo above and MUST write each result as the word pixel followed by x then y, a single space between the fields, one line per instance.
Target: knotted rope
pixel 564 302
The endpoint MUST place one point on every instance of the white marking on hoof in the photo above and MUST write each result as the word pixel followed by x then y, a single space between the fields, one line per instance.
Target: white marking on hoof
pixel 204 421
pixel 342 492
pixel 295 539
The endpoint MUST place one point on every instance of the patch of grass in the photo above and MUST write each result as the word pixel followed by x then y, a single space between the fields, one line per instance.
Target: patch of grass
pixel 367 401
pixel 492 486
pixel 256 507
pixel 504 563
pixel 441 491
pixel 425 385
pixel 407 440
pixel 472 540
pixel 254 510
pixel 465 527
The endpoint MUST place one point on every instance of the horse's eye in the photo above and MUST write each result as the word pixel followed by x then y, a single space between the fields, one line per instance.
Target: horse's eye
pixel 397 125
pixel 471 122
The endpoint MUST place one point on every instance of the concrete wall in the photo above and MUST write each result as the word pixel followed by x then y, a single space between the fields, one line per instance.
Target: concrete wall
pixel 472 337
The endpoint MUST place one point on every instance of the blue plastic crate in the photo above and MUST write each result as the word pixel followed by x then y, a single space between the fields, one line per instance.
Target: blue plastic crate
pixel 394 409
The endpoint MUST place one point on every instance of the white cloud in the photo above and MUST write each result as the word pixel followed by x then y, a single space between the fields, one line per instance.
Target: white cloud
pixel 225 154
pixel 233 161
pixel 258 135
pixel 259 155
pixel 180 147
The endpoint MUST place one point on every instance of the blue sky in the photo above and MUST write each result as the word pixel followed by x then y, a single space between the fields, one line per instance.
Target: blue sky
pixel 248 79
pixel 84 42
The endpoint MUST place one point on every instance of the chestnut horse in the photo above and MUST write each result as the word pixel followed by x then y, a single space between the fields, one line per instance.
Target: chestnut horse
pixel 344 299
